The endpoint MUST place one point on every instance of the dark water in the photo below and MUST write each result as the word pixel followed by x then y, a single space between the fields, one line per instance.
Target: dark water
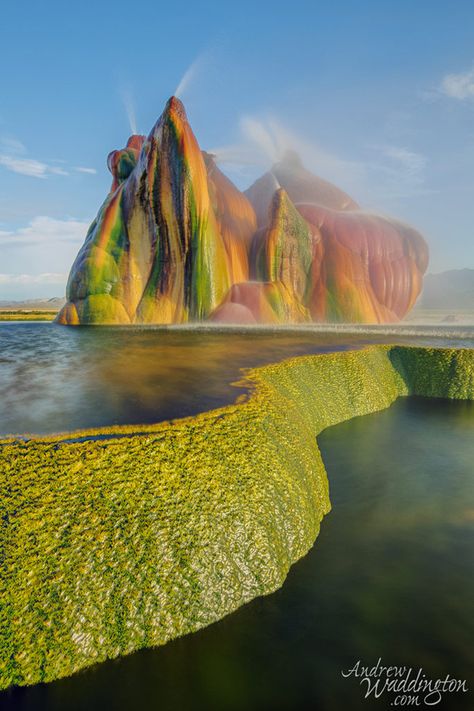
pixel 54 378
pixel 390 576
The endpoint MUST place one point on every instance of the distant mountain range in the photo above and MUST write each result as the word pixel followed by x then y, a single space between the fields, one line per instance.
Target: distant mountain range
pixel 453 289
pixel 53 304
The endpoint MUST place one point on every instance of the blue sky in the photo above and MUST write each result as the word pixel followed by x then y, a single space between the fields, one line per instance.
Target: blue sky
pixel 377 97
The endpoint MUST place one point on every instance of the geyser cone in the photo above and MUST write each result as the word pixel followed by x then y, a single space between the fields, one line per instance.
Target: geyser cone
pixel 372 266
pixel 190 272
pixel 154 254
pixel 301 186
pixel 176 241
pixel 235 217
pixel 284 251
pixel 364 268
pixel 122 162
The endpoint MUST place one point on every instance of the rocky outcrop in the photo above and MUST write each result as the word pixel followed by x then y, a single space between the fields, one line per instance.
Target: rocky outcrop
pixel 155 253
pixel 176 241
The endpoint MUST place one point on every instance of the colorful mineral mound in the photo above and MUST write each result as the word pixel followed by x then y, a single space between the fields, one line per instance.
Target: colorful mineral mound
pixel 175 241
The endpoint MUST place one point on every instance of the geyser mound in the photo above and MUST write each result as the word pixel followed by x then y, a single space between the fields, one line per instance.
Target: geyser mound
pixel 175 241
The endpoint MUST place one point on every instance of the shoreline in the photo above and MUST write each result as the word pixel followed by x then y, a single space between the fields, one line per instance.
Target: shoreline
pixel 12 316
pixel 422 329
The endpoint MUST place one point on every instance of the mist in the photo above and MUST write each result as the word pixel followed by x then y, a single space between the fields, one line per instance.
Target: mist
pixel 129 106
pixel 194 69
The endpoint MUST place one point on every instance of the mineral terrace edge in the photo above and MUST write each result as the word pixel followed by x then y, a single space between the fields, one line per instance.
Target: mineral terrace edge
pixel 112 545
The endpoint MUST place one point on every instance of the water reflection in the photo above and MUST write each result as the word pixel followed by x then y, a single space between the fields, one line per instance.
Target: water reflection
pixel 55 379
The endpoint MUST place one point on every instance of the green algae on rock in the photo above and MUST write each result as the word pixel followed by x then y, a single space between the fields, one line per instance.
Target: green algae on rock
pixel 114 544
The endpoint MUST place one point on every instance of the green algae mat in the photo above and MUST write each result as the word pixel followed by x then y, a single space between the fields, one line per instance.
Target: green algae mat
pixel 116 539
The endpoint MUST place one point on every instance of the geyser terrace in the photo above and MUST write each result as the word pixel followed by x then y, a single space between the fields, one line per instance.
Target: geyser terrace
pixel 110 544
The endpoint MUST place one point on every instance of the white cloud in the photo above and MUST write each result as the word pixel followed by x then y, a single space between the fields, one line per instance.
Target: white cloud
pixel 82 169
pixel 26 279
pixel 57 171
pixel 403 162
pixel 414 162
pixel 35 258
pixel 396 172
pixel 43 229
pixel 10 144
pixel 13 158
pixel 29 166
pixel 24 166
pixel 458 86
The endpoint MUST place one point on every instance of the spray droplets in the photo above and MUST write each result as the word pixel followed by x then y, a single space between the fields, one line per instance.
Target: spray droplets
pixel 128 103
pixel 190 74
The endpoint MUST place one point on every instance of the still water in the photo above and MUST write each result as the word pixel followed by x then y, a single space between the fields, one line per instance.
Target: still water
pixel 390 576
pixel 54 378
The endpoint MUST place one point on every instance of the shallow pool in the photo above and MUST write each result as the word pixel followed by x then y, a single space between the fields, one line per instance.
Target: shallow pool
pixel 54 378
pixel 390 577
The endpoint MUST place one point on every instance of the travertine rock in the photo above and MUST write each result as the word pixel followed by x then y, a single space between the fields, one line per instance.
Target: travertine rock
pixel 176 241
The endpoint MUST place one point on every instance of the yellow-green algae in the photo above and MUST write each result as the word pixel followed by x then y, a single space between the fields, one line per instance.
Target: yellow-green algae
pixel 28 315
pixel 109 545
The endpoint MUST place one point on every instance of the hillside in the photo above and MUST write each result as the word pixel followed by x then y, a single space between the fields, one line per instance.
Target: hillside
pixel 453 289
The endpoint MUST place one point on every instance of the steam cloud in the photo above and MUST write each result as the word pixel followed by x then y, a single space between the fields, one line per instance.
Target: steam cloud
pixel 189 75
pixel 127 100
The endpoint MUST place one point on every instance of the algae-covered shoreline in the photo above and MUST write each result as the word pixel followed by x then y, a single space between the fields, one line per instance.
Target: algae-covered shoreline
pixel 11 316
pixel 117 544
